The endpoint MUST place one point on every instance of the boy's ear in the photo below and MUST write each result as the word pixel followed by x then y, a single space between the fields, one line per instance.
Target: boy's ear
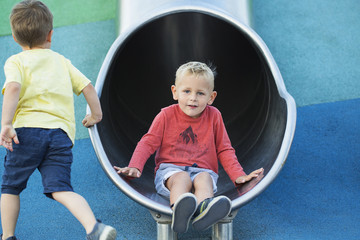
pixel 49 36
pixel 173 90
pixel 14 38
pixel 212 98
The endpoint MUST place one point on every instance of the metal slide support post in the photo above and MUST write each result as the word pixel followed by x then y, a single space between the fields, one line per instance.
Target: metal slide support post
pixel 223 230
pixel 163 226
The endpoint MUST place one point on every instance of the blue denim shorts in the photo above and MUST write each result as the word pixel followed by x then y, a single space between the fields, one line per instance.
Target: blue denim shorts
pixel 49 151
pixel 166 170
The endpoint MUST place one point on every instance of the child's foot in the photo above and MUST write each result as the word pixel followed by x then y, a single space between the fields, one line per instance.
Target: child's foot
pixel 102 232
pixel 210 211
pixel 183 211
pixel 9 238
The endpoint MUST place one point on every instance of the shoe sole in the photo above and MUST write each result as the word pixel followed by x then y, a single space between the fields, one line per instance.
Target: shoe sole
pixel 109 233
pixel 184 209
pixel 218 208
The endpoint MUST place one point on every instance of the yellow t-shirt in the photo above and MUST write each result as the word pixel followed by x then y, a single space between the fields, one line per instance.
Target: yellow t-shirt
pixel 48 81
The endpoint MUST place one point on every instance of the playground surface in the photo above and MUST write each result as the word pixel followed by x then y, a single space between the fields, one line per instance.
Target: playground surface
pixel 315 44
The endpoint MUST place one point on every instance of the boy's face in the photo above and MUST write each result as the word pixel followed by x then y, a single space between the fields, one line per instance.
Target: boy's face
pixel 193 94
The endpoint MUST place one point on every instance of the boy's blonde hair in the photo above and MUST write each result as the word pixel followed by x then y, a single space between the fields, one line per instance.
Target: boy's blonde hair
pixel 197 69
pixel 31 21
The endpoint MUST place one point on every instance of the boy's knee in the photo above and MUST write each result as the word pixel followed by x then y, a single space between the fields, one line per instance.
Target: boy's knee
pixel 182 178
pixel 202 180
pixel 204 176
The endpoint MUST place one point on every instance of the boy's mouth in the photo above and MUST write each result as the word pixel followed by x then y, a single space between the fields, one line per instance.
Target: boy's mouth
pixel 192 106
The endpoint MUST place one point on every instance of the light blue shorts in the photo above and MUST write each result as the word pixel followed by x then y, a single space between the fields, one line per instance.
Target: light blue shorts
pixel 166 170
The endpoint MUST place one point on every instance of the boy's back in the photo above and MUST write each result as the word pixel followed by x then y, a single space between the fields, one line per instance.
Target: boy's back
pixel 48 81
pixel 38 117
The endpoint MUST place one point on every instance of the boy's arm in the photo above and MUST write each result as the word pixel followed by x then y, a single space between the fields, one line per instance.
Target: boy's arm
pixel 10 102
pixel 148 144
pixel 229 160
pixel 225 151
pixel 94 103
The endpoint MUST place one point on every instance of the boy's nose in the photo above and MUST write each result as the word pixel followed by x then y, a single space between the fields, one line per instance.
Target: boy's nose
pixel 193 97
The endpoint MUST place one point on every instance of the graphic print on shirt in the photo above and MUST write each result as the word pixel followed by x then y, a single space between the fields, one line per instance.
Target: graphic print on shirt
pixel 187 146
pixel 188 135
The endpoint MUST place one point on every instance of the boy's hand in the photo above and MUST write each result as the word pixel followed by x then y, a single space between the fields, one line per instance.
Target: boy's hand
pixel 128 171
pixel 90 120
pixel 7 136
pixel 246 178
pixel 95 108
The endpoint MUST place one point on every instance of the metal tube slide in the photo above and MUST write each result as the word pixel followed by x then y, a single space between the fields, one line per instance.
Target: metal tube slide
pixel 134 84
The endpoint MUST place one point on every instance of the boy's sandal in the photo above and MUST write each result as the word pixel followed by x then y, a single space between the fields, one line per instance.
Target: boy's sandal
pixel 102 231
pixel 9 238
pixel 183 211
pixel 210 211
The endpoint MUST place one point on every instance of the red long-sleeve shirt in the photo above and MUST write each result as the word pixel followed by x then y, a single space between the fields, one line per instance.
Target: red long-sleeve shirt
pixel 182 140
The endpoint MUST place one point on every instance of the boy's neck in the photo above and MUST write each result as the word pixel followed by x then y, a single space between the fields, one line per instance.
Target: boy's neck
pixel 45 45
pixel 26 48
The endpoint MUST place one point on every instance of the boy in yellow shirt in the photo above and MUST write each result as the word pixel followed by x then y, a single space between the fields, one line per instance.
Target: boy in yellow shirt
pixel 38 116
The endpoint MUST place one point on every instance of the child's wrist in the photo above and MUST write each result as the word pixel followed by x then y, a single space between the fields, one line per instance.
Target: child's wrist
pixel 97 117
pixel 6 125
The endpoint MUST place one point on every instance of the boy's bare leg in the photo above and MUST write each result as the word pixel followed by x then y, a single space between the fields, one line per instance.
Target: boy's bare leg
pixel 10 207
pixel 203 186
pixel 79 207
pixel 209 211
pixel 178 184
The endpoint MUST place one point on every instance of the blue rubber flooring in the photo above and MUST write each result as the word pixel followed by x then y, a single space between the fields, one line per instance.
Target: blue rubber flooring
pixel 314 197
pixel 315 44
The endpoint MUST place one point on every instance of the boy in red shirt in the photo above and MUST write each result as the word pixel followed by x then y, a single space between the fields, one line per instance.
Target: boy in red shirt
pixel 189 138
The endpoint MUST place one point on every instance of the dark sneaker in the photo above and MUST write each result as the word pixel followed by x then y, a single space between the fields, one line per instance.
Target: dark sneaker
pixel 102 232
pixel 183 211
pixel 10 238
pixel 210 211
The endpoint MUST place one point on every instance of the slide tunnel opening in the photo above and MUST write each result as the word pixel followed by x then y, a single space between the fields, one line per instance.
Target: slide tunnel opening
pixel 142 70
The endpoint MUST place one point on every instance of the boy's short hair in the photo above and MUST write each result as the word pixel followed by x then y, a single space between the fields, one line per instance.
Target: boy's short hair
pixel 198 69
pixel 31 21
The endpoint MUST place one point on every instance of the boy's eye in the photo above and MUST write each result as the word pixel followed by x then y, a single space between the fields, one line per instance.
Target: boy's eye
pixel 186 91
pixel 201 93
